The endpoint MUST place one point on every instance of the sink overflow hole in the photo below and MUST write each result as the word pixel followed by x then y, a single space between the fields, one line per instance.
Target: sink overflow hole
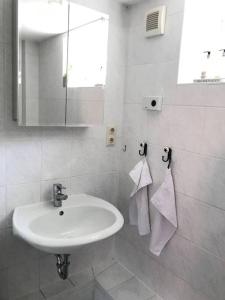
pixel 61 213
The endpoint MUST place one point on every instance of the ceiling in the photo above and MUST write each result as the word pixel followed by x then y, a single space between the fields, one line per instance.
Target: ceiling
pixel 130 2
pixel 41 19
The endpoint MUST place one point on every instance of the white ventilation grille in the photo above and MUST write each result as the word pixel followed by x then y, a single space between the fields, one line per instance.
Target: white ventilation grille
pixel 155 21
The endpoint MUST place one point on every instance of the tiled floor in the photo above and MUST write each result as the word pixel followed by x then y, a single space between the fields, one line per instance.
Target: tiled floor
pixel 114 282
pixel 122 284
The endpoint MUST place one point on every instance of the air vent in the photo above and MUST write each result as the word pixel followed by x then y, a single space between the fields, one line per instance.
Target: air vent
pixel 152 22
pixel 155 21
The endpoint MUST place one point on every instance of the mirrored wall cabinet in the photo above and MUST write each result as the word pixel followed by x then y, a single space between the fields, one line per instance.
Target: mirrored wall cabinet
pixel 60 63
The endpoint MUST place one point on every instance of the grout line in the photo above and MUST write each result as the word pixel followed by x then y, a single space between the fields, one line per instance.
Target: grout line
pixel 157 296
pixel 141 281
pixel 92 271
pixel 181 236
pixel 202 249
pixel 171 61
pixel 177 105
pixel 73 284
pixel 167 269
pixel 62 292
pixel 114 263
pixel 121 283
pixel 131 278
pixel 209 205
pixel 43 295
pixel 125 268
pixel 176 148
pixel 194 106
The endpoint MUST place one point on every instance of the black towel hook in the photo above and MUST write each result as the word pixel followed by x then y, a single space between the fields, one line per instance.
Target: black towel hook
pixel 167 150
pixel 145 149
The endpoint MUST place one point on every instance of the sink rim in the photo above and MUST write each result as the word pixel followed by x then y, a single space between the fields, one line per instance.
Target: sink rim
pixel 22 229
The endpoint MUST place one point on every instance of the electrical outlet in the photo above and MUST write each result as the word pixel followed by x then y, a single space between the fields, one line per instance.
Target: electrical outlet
pixel 153 103
pixel 111 136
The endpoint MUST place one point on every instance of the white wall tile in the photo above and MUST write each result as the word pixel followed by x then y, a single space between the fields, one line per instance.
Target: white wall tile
pixel 23 161
pixel 202 224
pixel 214 129
pixel 23 279
pixel 198 95
pixel 200 269
pixel 30 164
pixel 3 221
pixel 32 296
pixel 32 159
pixel 22 194
pixel 56 155
pixel 86 156
pixel 83 184
pixel 18 251
pixel 158 49
pixel 200 177
pixel 107 188
pixel 154 275
pixel 135 122
pixel 191 122
pixel 47 270
pixel 137 12
pixel 4 249
pixel 185 127
pixel 4 285
pixel 143 80
pixel 6 26
pixel 92 255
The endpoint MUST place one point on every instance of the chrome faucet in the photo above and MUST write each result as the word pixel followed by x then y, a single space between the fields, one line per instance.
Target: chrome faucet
pixel 58 195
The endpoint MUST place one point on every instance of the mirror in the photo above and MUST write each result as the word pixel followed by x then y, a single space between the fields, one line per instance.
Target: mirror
pixel 87 60
pixel 202 60
pixel 60 60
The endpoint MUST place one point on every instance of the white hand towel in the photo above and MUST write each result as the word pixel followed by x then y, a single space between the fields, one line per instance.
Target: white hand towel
pixel 164 224
pixel 139 206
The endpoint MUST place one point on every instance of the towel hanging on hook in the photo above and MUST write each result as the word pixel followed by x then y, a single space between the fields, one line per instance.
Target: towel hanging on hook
pixel 168 151
pixel 143 152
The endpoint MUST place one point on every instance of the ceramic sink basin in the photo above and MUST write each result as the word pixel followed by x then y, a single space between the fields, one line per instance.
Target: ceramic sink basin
pixel 81 220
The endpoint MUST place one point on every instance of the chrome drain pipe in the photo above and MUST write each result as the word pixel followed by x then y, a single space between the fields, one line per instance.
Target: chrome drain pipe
pixel 63 265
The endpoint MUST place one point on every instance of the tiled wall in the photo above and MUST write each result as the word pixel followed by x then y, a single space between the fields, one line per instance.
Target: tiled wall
pixel 31 160
pixel 192 122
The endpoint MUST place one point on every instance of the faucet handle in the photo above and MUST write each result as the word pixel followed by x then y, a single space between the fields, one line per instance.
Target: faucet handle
pixel 58 196
pixel 61 189
pixel 58 187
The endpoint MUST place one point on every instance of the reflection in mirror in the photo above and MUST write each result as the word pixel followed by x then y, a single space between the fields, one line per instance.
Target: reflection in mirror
pixel 61 61
pixel 87 60
pixel 202 58
pixel 42 28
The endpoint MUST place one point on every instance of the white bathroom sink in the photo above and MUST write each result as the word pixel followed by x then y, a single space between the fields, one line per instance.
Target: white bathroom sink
pixel 81 220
